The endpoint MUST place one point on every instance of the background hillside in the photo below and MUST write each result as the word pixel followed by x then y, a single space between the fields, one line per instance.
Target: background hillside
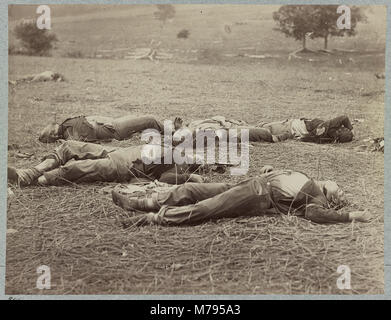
pixel 229 29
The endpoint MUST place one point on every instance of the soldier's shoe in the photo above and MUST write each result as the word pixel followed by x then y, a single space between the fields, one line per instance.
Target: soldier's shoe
pixel 125 202
pixel 12 175
pixel 23 177
pixel 134 203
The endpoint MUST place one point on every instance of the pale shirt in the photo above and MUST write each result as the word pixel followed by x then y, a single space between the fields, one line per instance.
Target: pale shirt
pixel 287 182
pixel 298 128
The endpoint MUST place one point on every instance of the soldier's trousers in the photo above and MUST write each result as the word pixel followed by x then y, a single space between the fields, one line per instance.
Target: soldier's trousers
pixel 196 202
pixel 81 162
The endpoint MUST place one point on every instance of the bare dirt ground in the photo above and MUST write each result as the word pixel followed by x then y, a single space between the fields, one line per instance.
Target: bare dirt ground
pixel 74 229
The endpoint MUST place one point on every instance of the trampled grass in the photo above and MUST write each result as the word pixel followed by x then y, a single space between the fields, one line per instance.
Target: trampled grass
pixel 74 229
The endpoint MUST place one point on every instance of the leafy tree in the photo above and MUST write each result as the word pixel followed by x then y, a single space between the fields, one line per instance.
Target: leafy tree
pixel 325 26
pixel 315 21
pixel 36 41
pixel 165 12
pixel 295 21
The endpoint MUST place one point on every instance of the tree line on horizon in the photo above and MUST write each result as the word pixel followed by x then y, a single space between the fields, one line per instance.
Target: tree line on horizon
pixel 296 21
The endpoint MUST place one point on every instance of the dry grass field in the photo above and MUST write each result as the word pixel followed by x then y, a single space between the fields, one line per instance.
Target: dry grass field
pixel 74 229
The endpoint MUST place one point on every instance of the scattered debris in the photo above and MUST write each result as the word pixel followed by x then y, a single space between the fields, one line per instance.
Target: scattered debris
pixel 294 55
pixel 150 53
pixel 176 266
pixel 324 51
pixel 137 188
pixel 372 145
pixel 255 56
pixel 380 75
pixel 227 28
pixel 24 155
pixel 11 231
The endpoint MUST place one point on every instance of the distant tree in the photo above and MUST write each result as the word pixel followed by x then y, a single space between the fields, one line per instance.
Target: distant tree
pixel 315 21
pixel 295 21
pixel 183 34
pixel 325 25
pixel 35 41
pixel 164 12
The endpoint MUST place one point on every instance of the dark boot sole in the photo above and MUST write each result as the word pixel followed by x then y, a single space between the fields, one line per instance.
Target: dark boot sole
pixel 12 175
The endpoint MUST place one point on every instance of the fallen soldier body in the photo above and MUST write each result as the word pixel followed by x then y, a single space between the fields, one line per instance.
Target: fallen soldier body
pixel 338 129
pixel 40 77
pixel 273 192
pixel 97 128
pixel 75 161
pixel 220 123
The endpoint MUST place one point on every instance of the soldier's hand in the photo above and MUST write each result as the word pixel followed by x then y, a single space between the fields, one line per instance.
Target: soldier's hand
pixel 361 216
pixel 196 178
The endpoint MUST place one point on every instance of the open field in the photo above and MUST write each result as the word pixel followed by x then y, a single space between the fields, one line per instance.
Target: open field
pixel 74 229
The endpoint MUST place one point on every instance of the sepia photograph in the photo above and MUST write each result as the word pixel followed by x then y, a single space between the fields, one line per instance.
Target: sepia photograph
pixel 195 149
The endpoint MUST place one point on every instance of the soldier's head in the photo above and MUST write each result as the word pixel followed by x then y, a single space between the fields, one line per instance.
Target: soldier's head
pixel 344 135
pixel 49 133
pixel 57 76
pixel 334 194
